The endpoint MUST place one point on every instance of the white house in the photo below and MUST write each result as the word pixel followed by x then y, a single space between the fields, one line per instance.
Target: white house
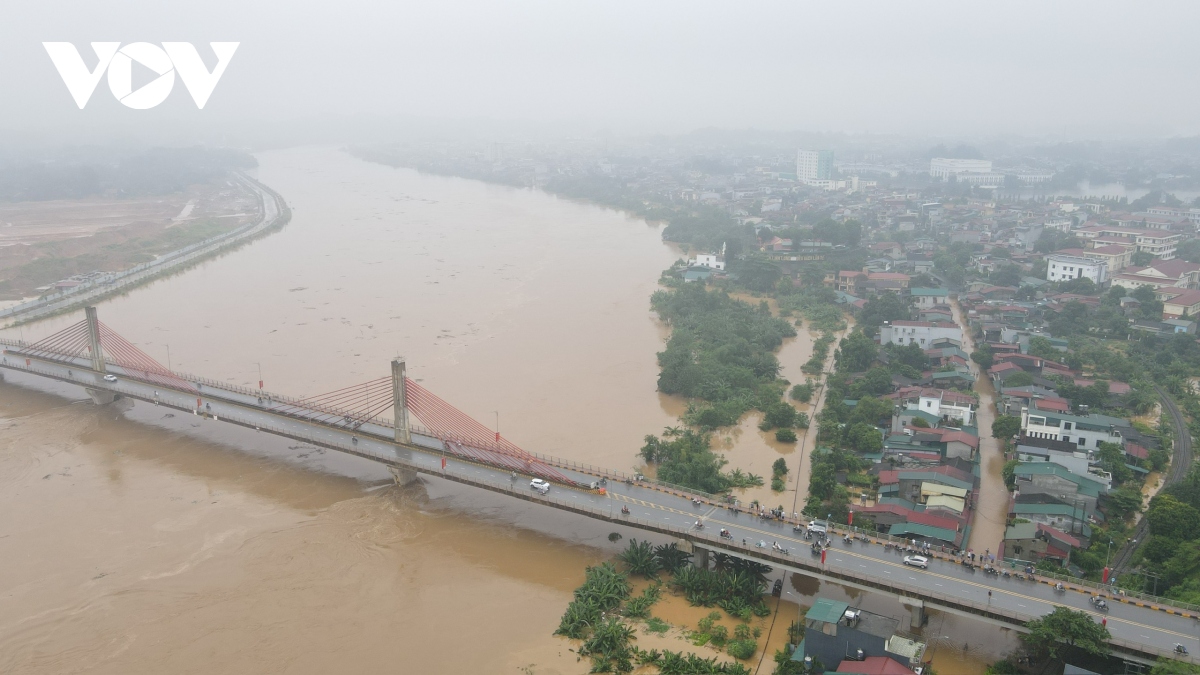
pixel 1063 267
pixel 715 261
pixel 948 405
pixel 918 332
pixel 1085 431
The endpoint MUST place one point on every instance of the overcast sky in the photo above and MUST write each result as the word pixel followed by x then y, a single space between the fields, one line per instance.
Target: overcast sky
pixel 1058 69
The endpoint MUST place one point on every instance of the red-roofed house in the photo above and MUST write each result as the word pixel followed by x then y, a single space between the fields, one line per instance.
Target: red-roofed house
pixel 1160 274
pixel 886 515
pixel 1176 303
pixel 1051 405
pixel 1136 451
pixel 846 281
pixel 1002 371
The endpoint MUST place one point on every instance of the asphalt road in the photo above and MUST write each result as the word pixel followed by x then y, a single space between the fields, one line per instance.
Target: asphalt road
pixel 137 276
pixel 654 509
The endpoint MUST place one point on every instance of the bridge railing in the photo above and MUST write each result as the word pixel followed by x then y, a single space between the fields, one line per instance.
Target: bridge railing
pixel 1110 590
pixel 614 474
pixel 610 513
pixel 1106 589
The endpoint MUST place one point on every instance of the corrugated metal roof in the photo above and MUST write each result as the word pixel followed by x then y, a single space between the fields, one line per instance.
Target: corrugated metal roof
pixel 903 529
pixel 826 610
pixel 946 502
pixel 928 489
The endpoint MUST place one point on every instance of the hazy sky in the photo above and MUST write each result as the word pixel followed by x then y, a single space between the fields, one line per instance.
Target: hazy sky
pixel 1063 69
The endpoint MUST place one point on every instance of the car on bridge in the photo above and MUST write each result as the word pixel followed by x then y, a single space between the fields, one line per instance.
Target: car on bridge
pixel 818 527
pixel 110 378
pixel 539 485
pixel 916 561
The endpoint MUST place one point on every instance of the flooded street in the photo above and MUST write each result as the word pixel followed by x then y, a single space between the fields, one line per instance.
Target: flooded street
pixel 135 543
pixel 991 513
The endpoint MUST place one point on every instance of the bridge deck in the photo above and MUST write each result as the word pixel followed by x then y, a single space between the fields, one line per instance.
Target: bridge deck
pixel 1139 631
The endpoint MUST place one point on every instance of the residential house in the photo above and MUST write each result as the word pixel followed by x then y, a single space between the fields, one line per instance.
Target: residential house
pixel 927 298
pixel 1086 431
pixel 1178 303
pixel 1059 483
pixel 1062 453
pixel 834 634
pixel 1034 541
pixel 1160 274
pixel 1118 257
pixel 1159 243
pixel 918 332
pixel 943 404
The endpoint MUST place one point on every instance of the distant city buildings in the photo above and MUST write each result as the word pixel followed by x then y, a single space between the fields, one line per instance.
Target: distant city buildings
pixel 945 167
pixel 814 165
pixel 973 171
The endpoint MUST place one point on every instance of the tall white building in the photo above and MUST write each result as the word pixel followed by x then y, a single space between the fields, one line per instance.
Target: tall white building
pixel 813 165
pixel 1062 267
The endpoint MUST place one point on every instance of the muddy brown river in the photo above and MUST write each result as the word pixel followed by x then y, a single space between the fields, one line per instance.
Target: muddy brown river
pixel 134 541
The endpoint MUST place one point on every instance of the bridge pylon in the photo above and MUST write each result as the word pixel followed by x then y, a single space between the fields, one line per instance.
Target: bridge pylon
pixel 93 330
pixel 400 401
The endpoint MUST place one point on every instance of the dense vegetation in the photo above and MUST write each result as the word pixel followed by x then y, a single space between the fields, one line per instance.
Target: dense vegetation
pixel 684 457
pixel 1066 631
pixel 720 354
pixel 603 609
pixel 1173 550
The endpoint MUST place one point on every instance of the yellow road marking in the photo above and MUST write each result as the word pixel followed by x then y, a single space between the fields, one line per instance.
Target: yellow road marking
pixel 928 573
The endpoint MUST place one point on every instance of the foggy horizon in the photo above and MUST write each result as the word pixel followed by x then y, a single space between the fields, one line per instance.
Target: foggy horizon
pixel 1070 71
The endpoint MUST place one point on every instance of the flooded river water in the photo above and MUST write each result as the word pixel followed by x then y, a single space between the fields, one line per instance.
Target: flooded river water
pixel 133 543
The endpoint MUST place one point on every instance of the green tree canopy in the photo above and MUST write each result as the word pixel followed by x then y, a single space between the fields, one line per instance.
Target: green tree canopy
pixel 983 356
pixel 856 352
pixel 1021 379
pixel 864 437
pixel 910 355
pixel 1065 627
pixel 757 273
pixel 1165 666
pixel 1040 346
pixel 1006 426
pixel 883 307
pixel 1172 518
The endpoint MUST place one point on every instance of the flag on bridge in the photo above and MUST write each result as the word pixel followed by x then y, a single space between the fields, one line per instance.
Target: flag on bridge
pixel 443 464
pixel 850 520
pixel 823 552
pixel 1105 575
